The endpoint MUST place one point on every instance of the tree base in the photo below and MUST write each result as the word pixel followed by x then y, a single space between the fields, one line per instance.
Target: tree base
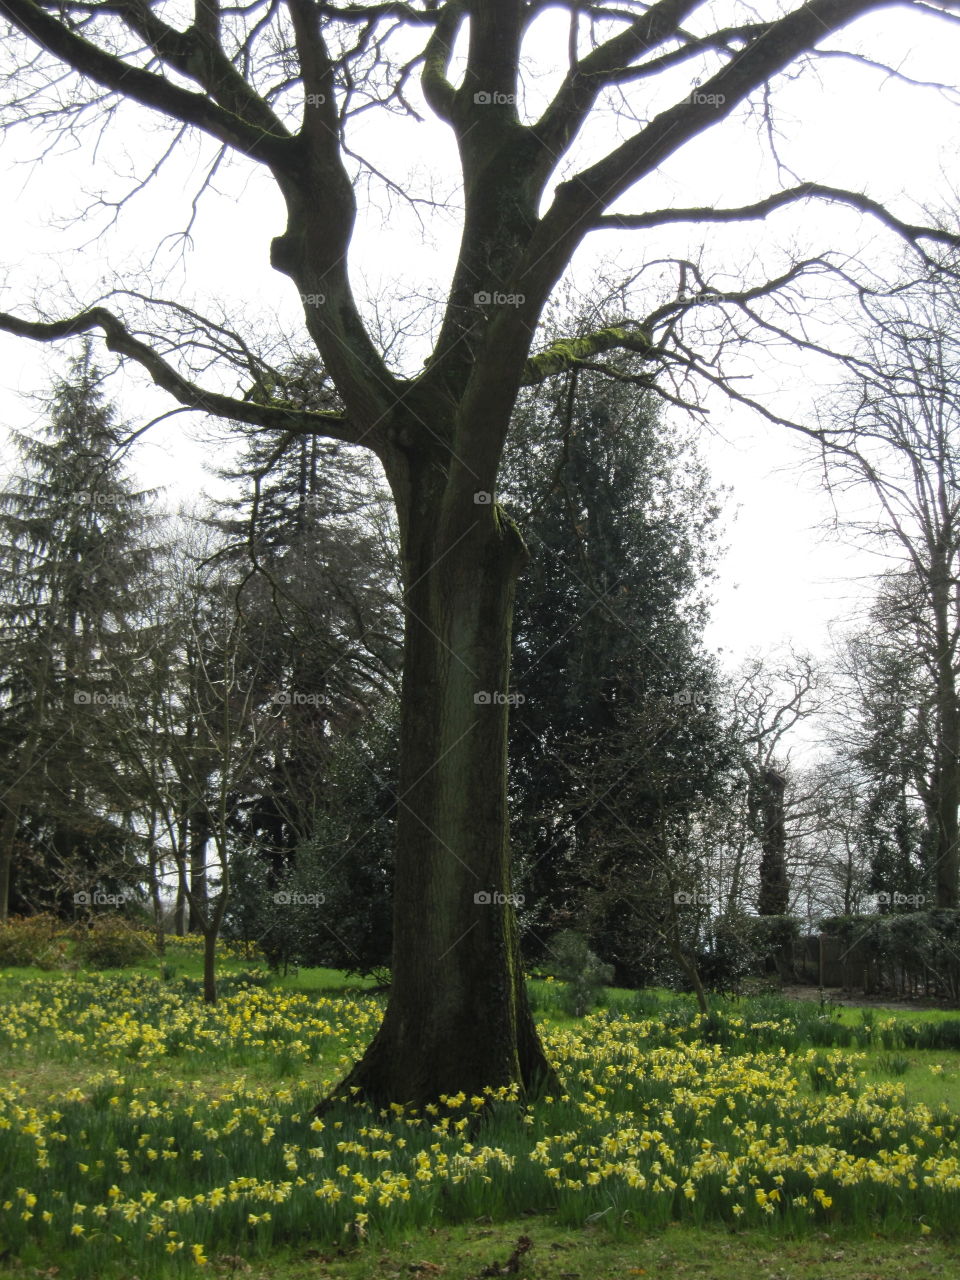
pixel 394 1072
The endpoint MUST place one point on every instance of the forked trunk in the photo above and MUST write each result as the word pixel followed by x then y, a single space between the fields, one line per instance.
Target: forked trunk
pixel 457 1017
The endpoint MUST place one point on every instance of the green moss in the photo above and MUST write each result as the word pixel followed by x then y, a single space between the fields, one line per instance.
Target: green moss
pixel 566 352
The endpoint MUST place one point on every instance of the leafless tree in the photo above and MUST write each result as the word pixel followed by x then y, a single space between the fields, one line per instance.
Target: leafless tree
pixel 288 88
pixel 895 431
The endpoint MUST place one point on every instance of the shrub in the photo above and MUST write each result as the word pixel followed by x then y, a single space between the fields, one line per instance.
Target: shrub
pixel 584 973
pixel 33 940
pixel 110 944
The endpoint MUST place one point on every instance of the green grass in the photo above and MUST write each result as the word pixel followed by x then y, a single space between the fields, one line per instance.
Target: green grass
pixel 472 1251
pixel 185 1060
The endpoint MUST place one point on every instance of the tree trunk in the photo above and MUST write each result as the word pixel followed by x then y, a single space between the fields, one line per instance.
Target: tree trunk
pixel 12 800
pixel 8 835
pixel 199 839
pixel 457 1017
pixel 210 964
pixel 767 788
pixel 180 908
pixel 947 796
pixel 156 897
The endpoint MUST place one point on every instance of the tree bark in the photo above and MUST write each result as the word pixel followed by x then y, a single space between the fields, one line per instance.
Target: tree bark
pixel 199 839
pixel 947 794
pixel 457 1017
pixel 210 965
pixel 13 799
pixel 156 895
pixel 8 835
pixel 767 788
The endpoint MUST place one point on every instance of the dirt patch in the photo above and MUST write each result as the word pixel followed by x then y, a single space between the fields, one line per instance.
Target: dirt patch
pixel 839 995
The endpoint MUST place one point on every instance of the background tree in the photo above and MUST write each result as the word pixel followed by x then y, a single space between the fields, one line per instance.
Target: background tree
pixel 620 518
pixel 890 699
pixel 897 434
pixel 75 560
pixel 771 696
pixel 313 541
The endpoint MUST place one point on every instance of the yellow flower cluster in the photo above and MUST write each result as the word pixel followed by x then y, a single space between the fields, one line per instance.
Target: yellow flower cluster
pixel 655 1130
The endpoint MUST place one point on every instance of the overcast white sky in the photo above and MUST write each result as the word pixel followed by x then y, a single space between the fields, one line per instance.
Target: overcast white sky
pixel 780 579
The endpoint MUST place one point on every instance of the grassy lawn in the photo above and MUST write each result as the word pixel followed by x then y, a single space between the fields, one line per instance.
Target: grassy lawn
pixel 591 1253
pixel 143 1133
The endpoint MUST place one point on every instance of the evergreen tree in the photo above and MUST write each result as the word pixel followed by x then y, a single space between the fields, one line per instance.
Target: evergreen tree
pixel 74 573
pixel 620 520
pixel 894 741
pixel 311 534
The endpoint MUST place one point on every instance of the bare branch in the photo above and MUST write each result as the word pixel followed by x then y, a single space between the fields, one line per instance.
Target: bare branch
pixel 118 339
pixel 910 232
pixel 263 141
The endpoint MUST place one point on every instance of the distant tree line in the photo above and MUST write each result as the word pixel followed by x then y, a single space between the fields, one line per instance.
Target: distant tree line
pixel 199 710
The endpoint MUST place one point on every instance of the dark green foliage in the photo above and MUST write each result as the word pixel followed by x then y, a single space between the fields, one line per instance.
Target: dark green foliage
pixel 110 944
pixel 620 520
pixel 331 905
pixel 75 571
pixel 584 974
pixel 915 951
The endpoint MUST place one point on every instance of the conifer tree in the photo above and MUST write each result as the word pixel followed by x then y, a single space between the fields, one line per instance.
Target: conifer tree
pixel 74 570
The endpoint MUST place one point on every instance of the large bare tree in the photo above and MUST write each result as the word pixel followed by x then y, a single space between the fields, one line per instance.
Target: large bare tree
pixel 288 85
pixel 896 426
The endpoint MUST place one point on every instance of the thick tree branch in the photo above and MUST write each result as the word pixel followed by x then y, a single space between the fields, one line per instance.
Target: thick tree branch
pixel 366 13
pixel 119 340
pixel 197 55
pixel 605 65
pixel 570 353
pixel 580 201
pixel 437 89
pixel 143 86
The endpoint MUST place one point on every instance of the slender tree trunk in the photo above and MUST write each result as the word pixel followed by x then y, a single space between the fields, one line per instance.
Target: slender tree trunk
pixel 457 1017
pixel 947 797
pixel 12 801
pixel 210 965
pixel 153 867
pixel 180 910
pixel 181 914
pixel 8 836
pixel 199 839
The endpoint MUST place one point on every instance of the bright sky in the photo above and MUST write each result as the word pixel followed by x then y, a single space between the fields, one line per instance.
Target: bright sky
pixel 781 578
